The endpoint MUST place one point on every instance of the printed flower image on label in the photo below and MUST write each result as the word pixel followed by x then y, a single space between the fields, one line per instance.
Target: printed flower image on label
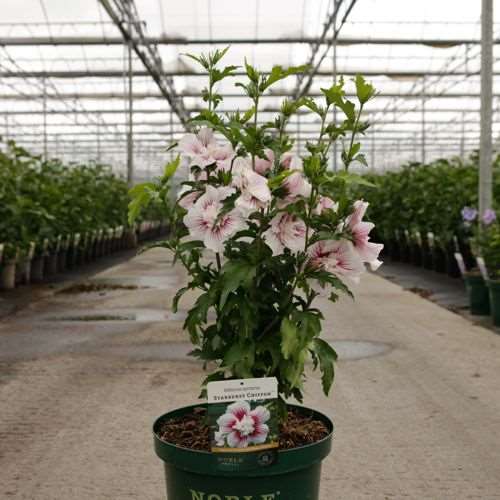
pixel 241 426
pixel 243 430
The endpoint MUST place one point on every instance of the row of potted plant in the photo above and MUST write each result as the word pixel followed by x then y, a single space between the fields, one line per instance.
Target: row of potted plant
pixel 426 228
pixel 434 225
pixel 55 216
pixel 483 280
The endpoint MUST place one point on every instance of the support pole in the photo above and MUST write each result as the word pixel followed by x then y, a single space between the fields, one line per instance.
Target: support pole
pixel 44 104
pixel 334 46
pixel 462 139
pixel 486 149
pixel 299 145
pixel 423 122
pixel 372 160
pixel 130 140
pixel 98 133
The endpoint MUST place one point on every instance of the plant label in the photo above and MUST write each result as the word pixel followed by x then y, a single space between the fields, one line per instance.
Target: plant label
pixel 482 267
pixel 430 239
pixel 461 264
pixel 243 417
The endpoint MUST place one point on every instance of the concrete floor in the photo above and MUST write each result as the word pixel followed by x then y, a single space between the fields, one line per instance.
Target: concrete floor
pixel 82 377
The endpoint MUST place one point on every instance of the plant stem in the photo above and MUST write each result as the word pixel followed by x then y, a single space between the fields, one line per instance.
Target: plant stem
pixel 349 159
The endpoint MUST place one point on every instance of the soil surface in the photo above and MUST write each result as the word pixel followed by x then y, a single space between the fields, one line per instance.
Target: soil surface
pixel 191 431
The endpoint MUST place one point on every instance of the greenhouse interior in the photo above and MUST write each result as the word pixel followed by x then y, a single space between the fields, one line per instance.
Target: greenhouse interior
pixel 249 250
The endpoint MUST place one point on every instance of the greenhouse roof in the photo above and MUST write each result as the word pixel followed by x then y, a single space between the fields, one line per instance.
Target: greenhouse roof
pixel 64 71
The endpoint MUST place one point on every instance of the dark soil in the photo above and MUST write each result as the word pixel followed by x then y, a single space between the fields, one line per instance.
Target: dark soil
pixel 423 292
pixel 191 431
pixel 95 287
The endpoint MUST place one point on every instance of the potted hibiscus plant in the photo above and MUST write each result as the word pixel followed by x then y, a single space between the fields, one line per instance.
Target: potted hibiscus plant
pixel 486 245
pixel 261 233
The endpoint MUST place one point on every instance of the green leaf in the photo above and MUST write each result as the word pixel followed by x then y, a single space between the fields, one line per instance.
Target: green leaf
pixel 326 356
pixel 141 195
pixel 364 90
pixel 289 338
pixel 171 168
pixel 234 274
pixel 279 73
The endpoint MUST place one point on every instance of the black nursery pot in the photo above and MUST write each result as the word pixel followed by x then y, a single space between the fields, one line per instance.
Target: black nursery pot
pixel 452 268
pixel 438 259
pixel 193 475
pixel 494 289
pixel 426 255
pixel 477 291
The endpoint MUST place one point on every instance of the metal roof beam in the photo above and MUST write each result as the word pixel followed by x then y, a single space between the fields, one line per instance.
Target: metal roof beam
pixel 164 40
pixel 10 112
pixel 146 51
pixel 118 73
pixel 153 95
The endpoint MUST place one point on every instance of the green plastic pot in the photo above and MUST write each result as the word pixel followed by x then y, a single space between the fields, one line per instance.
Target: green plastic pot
pixel 494 288
pixel 193 475
pixel 479 301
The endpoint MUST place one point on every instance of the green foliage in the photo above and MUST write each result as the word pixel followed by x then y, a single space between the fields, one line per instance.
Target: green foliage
pixel 42 200
pixel 425 197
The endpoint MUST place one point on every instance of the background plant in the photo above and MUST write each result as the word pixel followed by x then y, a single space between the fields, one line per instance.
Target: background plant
pixel 426 197
pixel 43 199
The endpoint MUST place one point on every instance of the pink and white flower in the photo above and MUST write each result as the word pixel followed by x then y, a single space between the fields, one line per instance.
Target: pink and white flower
pixel 203 150
pixel 296 186
pixel 291 161
pixel 263 165
pixel 360 230
pixel 325 203
pixel 187 200
pixel 336 257
pixel 286 231
pixel 255 192
pixel 204 223
pixel 241 426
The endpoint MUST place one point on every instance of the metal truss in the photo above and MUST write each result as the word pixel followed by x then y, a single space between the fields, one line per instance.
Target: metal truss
pixel 124 14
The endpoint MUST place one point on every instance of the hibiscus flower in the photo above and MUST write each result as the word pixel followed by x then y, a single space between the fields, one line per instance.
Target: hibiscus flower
pixel 255 193
pixel 241 426
pixel 296 186
pixel 205 224
pixel 286 231
pixel 325 203
pixel 367 251
pixel 263 165
pixel 291 161
pixel 203 150
pixel 336 257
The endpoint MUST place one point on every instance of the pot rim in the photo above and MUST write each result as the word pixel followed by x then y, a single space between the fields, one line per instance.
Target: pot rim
pixel 288 460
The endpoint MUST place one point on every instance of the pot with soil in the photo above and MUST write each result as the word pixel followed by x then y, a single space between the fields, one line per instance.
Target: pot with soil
pixel 415 247
pixel 181 440
pixel 426 254
pixel 494 293
pixel 452 268
pixel 477 291
pixel 62 255
pixel 404 247
pixel 8 272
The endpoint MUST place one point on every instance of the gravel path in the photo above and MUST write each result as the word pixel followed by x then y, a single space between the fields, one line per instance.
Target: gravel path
pixel 417 416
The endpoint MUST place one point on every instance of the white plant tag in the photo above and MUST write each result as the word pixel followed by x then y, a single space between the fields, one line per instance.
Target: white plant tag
pixel 242 389
pixel 461 264
pixel 482 267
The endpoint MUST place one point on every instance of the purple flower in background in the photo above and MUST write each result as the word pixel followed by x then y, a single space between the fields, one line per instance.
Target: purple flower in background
pixel 489 216
pixel 469 214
